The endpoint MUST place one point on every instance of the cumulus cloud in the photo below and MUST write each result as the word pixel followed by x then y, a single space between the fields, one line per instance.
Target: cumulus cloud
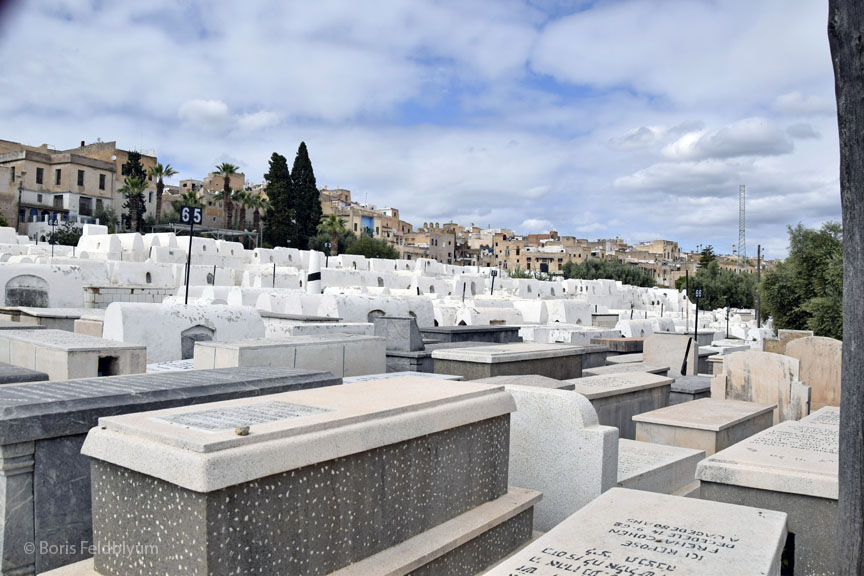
pixel 796 104
pixel 802 131
pixel 748 137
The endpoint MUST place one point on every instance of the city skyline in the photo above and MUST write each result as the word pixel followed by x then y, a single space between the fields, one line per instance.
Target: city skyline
pixel 597 119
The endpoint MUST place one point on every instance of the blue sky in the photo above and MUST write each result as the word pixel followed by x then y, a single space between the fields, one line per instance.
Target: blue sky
pixel 633 118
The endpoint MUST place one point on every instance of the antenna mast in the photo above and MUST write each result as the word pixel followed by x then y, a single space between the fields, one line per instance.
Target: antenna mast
pixel 742 236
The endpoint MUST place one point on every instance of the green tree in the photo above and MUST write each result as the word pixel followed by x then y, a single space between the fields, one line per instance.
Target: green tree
pixel 334 226
pixel 707 256
pixel 226 170
pixel 133 191
pixel 66 235
pixel 596 269
pixel 345 241
pixel 160 172
pixel 259 203
pixel 136 180
pixel 281 215
pixel 372 248
pixel 805 292
pixel 187 198
pixel 107 217
pixel 242 199
pixel 721 287
pixel 307 204
pixel 3 221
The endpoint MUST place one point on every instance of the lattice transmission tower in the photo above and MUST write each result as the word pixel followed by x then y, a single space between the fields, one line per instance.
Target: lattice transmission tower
pixel 742 234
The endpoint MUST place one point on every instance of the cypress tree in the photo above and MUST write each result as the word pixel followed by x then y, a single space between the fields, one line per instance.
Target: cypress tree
pixel 281 215
pixel 307 200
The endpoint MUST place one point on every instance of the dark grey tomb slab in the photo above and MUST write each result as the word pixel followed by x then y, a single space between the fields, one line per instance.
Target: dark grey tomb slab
pixel 10 374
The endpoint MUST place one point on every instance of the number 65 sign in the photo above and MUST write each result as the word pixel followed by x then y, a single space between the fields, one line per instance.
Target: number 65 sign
pixel 190 215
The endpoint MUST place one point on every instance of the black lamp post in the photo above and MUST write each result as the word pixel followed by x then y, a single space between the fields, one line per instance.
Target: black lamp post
pixel 327 254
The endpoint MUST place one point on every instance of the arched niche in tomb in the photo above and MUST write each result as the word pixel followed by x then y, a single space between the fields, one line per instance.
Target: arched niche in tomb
pixel 210 279
pixel 473 289
pixel 374 314
pixel 148 278
pixel 431 289
pixel 380 282
pixel 462 323
pixel 191 335
pixel 27 290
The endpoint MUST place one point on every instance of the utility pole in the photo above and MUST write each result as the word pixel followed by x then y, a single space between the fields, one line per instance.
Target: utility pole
pixel 758 279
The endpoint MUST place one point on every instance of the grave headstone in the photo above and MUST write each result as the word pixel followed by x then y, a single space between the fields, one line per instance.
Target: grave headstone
pixel 778 345
pixel 765 378
pixel 368 467
pixel 559 361
pixel 66 355
pixel 42 428
pixel 341 354
pixel 678 351
pixel 707 424
pixel 821 363
pixel 792 467
pixel 620 396
pixel 558 447
pixel 400 333
pixel 658 468
pixel 641 533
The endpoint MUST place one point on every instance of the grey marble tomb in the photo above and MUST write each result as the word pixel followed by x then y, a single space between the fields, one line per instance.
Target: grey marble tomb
pixel 45 481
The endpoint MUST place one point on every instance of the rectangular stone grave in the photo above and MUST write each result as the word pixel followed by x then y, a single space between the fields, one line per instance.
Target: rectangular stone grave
pixel 532 380
pixel 42 428
pixel 559 361
pixel 10 374
pixel 778 345
pixel 49 318
pixel 658 468
pixel 66 355
pixel 621 345
pixel 363 468
pixel 635 533
pixel 707 424
pixel 492 334
pixel 605 320
pixel 10 325
pixel 765 378
pixel 821 366
pixel 689 388
pixel 631 367
pixel 341 354
pixel 387 375
pixel 828 415
pixel 668 349
pixel 619 397
pixel 625 359
pixel 792 467
pixel 558 447
pixel 400 333
pixel 421 360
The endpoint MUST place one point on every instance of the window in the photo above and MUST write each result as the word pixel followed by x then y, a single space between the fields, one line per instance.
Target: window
pixel 40 174
pixel 13 174
pixel 101 181
pixel 57 175
pixel 150 197
pixel 39 198
pixel 123 170
pixel 80 177
pixel 355 226
pixel 98 204
pixel 150 178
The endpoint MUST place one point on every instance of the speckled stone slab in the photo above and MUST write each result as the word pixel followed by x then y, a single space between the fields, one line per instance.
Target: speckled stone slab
pixel 42 429
pixel 615 384
pixel 631 367
pixel 405 374
pixel 656 467
pixel 321 481
pixel 641 533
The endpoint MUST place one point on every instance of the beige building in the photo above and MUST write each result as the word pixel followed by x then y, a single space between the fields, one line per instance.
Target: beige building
pixel 382 223
pixel 43 183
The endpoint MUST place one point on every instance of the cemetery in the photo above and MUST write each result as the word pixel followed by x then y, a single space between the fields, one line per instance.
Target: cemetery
pixel 293 414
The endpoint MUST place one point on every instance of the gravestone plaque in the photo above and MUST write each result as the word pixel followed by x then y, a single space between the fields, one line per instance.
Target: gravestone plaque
pixel 829 416
pixel 239 416
pixel 642 533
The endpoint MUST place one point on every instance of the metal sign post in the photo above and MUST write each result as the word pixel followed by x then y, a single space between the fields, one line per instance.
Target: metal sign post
pixel 53 237
pixel 698 294
pixel 494 274
pixel 190 215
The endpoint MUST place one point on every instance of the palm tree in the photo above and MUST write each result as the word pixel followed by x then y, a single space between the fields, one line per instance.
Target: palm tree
pixel 334 226
pixel 241 198
pixel 159 172
pixel 133 191
pixel 224 198
pixel 187 198
pixel 259 203
pixel 227 170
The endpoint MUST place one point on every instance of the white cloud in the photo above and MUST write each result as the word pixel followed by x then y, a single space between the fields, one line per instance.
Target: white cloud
pixel 748 137
pixel 794 103
pixel 204 114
